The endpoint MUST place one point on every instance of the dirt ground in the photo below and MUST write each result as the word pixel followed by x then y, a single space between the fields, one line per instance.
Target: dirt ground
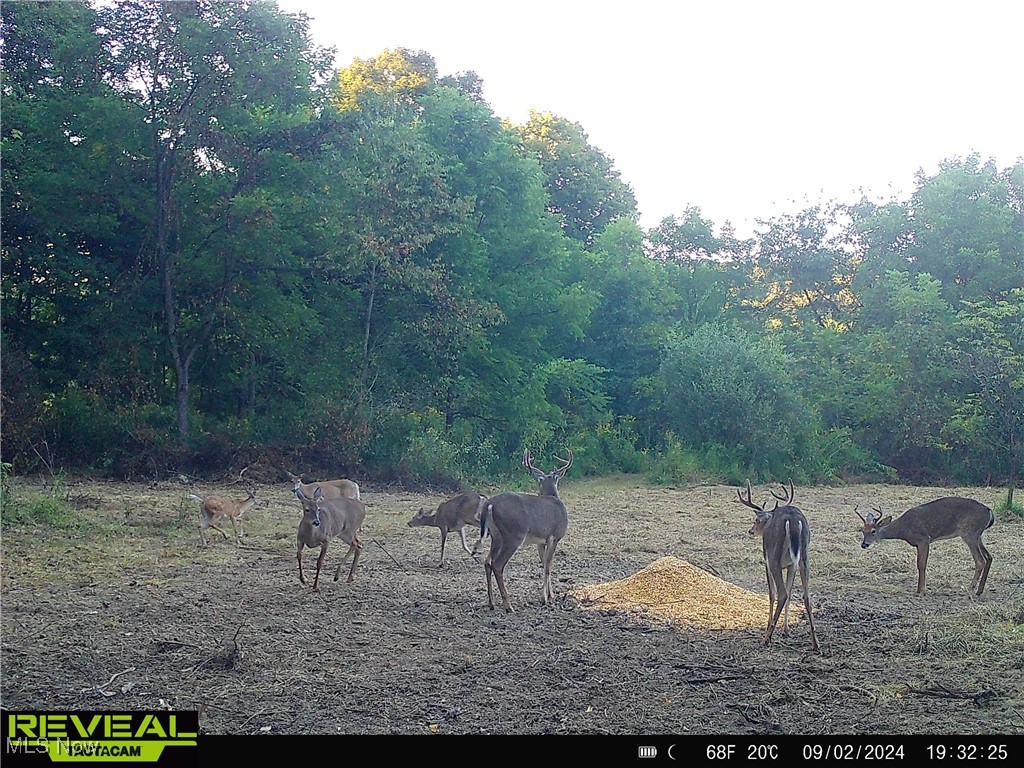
pixel 125 609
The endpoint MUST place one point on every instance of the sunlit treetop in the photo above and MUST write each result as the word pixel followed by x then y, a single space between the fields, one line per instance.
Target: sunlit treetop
pixel 400 72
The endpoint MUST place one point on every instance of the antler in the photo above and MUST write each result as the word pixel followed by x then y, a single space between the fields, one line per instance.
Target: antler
pixel 747 502
pixel 528 459
pixel 857 512
pixel 566 463
pixel 786 500
pixel 238 479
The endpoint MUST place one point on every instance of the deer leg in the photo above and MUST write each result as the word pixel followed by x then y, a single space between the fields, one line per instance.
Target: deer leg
pixel 497 570
pixel 444 539
pixel 499 576
pixel 982 563
pixel 489 570
pixel 465 544
pixel 549 556
pixel 804 580
pixel 790 579
pixel 489 567
pixel 211 525
pixel 498 563
pixel 771 594
pixel 922 563
pixel 302 577
pixel 237 526
pixel 357 547
pixel 319 565
pixel 781 599
pixel 354 547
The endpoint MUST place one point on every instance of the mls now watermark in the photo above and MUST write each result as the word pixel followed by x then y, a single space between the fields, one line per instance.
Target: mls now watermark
pixel 100 737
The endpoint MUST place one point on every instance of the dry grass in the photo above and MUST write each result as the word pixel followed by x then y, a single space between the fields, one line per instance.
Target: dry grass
pixel 673 645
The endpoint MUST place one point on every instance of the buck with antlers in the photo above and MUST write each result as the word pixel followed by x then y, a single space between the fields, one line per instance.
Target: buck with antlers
pixel 943 518
pixel 323 520
pixel 786 538
pixel 215 508
pixel 513 519
pixel 454 514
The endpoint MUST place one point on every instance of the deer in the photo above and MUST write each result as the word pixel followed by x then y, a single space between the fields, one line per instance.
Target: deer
pixel 513 519
pixel 453 514
pixel 786 538
pixel 324 520
pixel 940 519
pixel 331 489
pixel 214 508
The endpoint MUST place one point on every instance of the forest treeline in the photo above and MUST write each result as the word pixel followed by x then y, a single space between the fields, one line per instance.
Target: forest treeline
pixel 218 250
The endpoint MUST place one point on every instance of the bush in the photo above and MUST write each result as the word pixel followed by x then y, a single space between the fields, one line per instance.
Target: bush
pixel 731 393
pixel 50 509
pixel 1004 507
pixel 679 465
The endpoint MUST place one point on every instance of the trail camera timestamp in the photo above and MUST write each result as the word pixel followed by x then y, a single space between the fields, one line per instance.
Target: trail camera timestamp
pixel 966 751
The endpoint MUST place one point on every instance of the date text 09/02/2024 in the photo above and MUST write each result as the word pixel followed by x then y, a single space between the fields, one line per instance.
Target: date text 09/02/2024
pixel 931 748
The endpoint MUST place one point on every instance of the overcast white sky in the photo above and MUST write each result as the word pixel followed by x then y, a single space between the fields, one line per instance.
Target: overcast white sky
pixel 745 109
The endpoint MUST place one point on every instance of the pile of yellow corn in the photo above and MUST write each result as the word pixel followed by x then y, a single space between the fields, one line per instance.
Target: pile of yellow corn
pixel 670 589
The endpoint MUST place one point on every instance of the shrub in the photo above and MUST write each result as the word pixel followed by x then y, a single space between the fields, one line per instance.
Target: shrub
pixel 49 509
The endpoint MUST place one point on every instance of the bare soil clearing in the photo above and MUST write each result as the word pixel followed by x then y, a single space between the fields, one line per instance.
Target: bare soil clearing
pixel 125 610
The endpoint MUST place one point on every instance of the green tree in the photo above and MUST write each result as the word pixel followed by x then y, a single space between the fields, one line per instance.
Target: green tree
pixel 217 86
pixel 904 382
pixel 636 309
pixel 961 226
pixel 704 269
pixel 68 195
pixel 586 191
pixel 806 269
pixel 730 392
pixel 992 338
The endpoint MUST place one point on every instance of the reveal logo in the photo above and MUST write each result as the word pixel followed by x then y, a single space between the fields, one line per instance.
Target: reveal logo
pixel 101 737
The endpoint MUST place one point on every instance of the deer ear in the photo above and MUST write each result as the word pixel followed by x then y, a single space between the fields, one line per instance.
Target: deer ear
pixel 885 520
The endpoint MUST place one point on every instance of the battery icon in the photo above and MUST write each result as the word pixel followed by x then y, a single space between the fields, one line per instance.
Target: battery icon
pixel 647 751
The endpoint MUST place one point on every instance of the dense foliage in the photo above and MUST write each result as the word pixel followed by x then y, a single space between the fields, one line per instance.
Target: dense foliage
pixel 216 251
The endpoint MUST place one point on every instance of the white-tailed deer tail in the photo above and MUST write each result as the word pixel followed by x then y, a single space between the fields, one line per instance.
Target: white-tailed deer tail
pixel 786 539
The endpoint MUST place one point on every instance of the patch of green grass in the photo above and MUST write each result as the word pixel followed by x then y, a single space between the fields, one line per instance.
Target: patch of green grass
pixel 48 508
pixel 1016 509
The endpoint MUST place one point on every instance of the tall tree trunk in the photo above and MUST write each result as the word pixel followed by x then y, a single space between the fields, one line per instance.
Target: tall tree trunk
pixel 165 258
pixel 364 376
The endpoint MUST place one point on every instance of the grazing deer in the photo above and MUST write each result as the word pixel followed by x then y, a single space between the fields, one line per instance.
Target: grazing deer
pixel 940 519
pixel 323 520
pixel 513 519
pixel 453 515
pixel 331 489
pixel 786 538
